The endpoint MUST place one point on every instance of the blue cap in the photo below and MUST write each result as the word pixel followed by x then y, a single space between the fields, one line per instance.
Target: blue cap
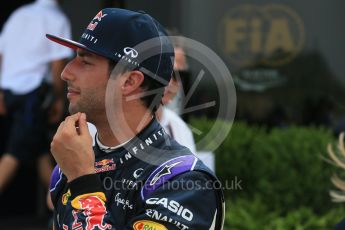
pixel 133 38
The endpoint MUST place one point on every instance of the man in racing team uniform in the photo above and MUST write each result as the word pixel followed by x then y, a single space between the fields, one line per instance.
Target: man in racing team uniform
pixel 145 180
pixel 186 201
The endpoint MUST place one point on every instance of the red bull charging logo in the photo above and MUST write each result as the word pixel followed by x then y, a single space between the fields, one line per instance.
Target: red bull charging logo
pixel 105 165
pixel 94 210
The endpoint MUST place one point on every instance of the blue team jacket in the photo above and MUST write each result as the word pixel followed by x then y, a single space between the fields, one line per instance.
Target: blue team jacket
pixel 151 182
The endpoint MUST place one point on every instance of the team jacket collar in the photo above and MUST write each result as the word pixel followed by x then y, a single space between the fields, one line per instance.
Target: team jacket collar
pixel 142 146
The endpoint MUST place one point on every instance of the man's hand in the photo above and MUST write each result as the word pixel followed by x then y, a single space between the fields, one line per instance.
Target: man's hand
pixel 72 147
pixel 2 104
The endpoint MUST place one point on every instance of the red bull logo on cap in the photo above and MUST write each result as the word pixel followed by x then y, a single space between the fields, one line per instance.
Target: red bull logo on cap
pixel 94 23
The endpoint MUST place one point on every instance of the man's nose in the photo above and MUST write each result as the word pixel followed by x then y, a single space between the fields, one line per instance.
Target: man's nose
pixel 67 74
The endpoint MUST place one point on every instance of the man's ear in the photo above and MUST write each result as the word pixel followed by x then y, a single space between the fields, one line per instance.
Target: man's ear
pixel 133 81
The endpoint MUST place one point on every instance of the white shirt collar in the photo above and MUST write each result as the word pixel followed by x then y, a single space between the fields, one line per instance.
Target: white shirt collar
pixel 108 149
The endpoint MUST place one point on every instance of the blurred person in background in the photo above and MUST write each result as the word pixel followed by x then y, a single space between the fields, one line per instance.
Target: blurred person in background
pixel 27 58
pixel 168 113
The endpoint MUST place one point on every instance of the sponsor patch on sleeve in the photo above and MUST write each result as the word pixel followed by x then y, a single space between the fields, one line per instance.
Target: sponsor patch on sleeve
pixel 65 197
pixel 167 171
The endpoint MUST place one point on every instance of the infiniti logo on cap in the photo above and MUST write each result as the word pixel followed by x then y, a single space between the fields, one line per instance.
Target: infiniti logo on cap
pixel 130 51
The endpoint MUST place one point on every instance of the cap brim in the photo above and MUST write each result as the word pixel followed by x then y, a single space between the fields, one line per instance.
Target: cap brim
pixel 66 42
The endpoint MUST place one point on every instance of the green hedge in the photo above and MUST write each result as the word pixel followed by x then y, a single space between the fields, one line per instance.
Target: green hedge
pixel 254 214
pixel 280 168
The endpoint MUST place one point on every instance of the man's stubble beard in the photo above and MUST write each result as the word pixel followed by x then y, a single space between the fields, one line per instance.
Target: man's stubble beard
pixel 92 106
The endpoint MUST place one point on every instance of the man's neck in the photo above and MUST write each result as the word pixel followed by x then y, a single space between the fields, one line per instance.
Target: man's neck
pixel 119 129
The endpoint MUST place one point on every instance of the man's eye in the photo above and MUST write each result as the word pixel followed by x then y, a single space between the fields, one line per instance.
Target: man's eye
pixel 85 62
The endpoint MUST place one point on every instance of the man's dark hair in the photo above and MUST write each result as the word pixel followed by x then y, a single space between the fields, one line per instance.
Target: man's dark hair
pixel 154 89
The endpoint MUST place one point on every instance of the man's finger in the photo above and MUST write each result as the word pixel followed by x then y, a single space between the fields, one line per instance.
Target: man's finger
pixel 83 128
pixel 70 122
